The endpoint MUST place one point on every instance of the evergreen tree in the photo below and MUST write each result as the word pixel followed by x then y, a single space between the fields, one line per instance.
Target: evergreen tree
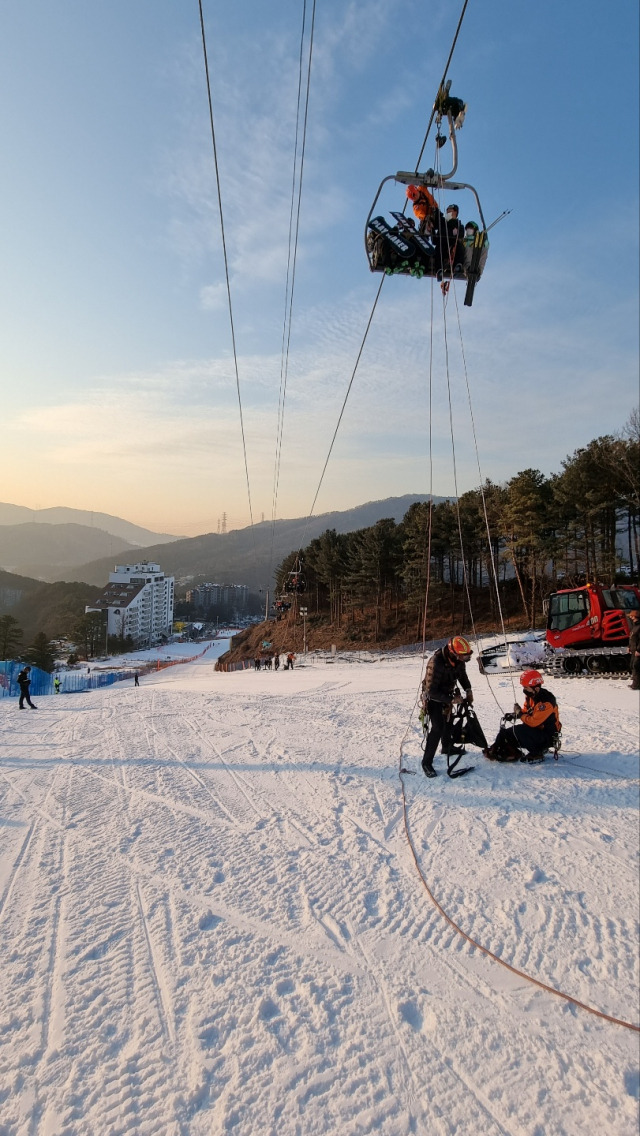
pixel 590 495
pixel 327 558
pixel 11 636
pixel 40 653
pixel 89 633
pixel 527 518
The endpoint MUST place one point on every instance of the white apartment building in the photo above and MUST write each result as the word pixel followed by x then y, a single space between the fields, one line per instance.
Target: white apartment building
pixel 138 601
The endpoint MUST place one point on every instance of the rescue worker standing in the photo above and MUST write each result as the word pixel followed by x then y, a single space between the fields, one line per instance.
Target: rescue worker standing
pixel 445 671
pixel 538 723
pixel 634 649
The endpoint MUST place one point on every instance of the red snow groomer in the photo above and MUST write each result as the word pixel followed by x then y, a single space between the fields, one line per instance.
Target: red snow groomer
pixel 588 628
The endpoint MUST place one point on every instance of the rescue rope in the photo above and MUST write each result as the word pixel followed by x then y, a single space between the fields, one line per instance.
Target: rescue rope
pixel 457 497
pixel 494 569
pixel 485 950
pixel 442 81
pixel 429 529
pixel 455 927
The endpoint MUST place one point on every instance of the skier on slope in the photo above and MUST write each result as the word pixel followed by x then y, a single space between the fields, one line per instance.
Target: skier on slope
pixel 445 671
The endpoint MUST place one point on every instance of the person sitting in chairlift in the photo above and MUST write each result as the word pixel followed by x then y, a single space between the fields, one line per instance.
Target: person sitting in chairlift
pixel 471 230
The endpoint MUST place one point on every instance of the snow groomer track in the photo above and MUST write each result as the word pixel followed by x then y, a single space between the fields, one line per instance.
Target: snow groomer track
pixel 210 918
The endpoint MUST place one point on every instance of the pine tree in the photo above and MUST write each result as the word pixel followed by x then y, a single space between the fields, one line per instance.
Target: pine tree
pixel 11 636
pixel 40 653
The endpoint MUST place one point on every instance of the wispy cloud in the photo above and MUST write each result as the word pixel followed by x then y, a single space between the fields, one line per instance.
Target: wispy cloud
pixel 178 426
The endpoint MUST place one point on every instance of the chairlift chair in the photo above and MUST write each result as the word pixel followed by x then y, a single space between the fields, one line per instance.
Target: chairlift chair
pixel 403 250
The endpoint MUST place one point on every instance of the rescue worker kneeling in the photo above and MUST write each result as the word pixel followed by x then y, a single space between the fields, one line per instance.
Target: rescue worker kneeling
pixel 537 727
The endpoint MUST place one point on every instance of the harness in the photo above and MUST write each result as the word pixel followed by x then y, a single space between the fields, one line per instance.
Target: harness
pixel 461 728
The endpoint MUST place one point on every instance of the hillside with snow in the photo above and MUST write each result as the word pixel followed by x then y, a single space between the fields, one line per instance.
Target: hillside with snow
pixel 211 920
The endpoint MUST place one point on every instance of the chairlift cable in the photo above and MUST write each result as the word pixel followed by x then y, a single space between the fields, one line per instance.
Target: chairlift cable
pixel 442 81
pixel 226 268
pixel 377 296
pixel 292 260
pixel 335 432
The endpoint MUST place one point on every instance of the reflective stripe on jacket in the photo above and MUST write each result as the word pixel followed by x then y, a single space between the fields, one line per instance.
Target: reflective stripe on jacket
pixel 541 711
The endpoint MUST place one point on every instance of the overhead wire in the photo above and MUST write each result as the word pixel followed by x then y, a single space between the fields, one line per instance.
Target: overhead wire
pixel 494 567
pixel 226 267
pixel 297 180
pixel 343 408
pixel 377 296
pixel 442 81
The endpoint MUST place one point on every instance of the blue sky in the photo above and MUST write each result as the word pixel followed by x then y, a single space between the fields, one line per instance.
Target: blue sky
pixel 119 390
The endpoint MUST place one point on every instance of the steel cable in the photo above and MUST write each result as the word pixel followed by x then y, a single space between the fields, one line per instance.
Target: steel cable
pixel 291 264
pixel 226 268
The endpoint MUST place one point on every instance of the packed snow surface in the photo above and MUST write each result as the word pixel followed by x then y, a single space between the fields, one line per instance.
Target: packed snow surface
pixel 211 920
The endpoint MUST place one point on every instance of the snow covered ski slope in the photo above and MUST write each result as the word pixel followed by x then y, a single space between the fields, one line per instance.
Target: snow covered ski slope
pixel 211 921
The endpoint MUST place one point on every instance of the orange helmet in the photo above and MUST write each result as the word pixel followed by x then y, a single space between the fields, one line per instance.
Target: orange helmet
pixel 460 647
pixel 531 678
pixel 413 192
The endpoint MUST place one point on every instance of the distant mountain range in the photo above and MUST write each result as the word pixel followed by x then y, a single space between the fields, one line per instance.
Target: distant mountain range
pixel 249 556
pixel 115 526
pixel 50 552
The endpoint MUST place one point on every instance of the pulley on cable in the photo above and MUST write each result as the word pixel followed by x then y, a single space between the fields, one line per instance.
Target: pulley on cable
pixel 295 583
pixel 292 585
pixel 438 246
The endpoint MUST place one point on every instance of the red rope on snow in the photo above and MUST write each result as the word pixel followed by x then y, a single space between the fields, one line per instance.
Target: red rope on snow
pixel 485 950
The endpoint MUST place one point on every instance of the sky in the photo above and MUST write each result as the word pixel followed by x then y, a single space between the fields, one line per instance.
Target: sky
pixel 119 389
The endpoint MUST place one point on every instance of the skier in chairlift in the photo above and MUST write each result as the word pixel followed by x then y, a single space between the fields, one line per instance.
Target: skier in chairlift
pixel 445 230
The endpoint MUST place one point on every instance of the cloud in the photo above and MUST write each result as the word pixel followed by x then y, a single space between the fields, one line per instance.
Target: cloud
pixel 214 297
pixel 173 431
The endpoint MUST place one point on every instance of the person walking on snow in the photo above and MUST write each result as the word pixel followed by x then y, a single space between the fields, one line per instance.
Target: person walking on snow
pixel 634 649
pixel 445 671
pixel 56 684
pixel 24 682
pixel 136 679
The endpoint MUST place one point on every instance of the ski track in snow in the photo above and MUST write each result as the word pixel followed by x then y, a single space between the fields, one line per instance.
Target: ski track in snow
pixel 211 922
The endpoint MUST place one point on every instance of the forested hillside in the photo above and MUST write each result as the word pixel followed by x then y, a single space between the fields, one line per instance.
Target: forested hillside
pixel 537 531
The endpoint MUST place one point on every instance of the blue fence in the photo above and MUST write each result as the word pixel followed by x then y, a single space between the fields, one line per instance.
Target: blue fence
pixel 70 681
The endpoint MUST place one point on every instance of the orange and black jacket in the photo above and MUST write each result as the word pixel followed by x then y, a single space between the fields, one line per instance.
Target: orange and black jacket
pixel 540 711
